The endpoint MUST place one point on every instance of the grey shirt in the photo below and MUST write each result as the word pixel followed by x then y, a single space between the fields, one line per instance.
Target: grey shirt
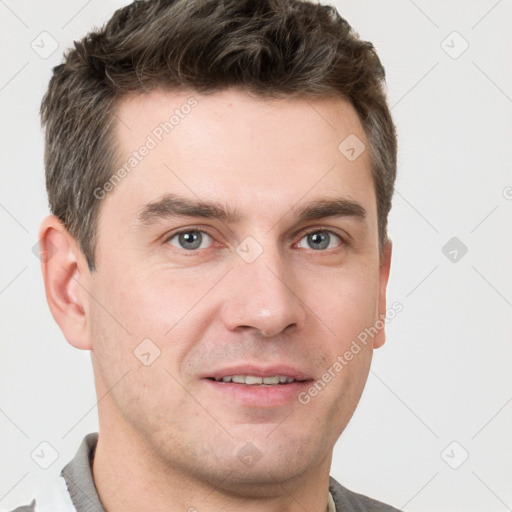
pixel 75 489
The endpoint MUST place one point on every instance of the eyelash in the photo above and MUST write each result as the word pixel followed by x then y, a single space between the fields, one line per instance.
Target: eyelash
pixel 343 241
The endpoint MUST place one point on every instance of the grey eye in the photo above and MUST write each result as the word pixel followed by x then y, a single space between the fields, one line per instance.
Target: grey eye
pixel 190 240
pixel 320 240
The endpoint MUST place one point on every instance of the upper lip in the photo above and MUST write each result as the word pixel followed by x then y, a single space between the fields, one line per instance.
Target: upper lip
pixel 258 371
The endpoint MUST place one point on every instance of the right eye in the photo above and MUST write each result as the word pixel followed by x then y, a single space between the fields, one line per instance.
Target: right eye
pixel 190 239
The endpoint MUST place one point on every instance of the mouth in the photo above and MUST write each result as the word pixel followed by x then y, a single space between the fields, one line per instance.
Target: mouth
pixel 258 387
pixel 254 380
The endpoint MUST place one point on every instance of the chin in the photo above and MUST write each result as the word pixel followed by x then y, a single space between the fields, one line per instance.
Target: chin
pixel 267 480
pixel 264 471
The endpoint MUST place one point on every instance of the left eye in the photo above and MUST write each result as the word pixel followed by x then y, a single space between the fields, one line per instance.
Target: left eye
pixel 190 240
pixel 320 240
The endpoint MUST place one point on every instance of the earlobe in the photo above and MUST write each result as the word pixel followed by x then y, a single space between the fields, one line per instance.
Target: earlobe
pixel 62 265
pixel 384 269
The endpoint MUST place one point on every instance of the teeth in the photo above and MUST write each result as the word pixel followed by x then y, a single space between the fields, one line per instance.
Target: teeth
pixel 252 380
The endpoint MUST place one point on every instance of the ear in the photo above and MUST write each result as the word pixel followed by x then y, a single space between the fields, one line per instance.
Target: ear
pixel 64 268
pixel 385 264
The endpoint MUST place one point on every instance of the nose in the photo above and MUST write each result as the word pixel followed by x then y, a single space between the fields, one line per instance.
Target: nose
pixel 264 296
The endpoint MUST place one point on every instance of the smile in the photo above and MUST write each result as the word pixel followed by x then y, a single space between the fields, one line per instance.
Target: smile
pixel 252 380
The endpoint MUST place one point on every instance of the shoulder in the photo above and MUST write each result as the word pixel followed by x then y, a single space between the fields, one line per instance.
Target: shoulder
pixel 50 498
pixel 26 508
pixel 73 488
pixel 349 501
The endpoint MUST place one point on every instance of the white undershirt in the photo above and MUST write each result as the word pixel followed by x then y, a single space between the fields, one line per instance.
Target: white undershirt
pixel 331 507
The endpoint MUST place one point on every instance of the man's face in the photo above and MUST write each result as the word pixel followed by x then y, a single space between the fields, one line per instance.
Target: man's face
pixel 263 293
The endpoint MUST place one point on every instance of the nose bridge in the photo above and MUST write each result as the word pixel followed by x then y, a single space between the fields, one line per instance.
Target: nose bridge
pixel 261 294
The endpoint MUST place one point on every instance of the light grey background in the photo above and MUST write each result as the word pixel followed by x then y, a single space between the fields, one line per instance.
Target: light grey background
pixel 444 374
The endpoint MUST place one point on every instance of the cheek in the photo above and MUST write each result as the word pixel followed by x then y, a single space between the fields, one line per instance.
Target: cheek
pixel 347 302
pixel 164 307
pixel 129 320
pixel 347 305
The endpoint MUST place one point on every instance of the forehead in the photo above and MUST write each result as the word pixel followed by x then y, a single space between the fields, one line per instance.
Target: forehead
pixel 264 155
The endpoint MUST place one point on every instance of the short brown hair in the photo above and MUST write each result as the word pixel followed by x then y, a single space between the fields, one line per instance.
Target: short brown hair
pixel 271 48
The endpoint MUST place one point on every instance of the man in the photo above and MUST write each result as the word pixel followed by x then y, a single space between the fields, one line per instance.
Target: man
pixel 220 175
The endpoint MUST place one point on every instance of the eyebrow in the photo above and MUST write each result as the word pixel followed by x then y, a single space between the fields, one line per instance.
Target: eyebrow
pixel 172 205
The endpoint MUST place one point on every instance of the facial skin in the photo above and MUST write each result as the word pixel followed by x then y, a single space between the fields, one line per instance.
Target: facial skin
pixel 170 436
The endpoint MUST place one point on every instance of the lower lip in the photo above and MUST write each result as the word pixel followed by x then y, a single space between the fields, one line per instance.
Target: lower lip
pixel 260 396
